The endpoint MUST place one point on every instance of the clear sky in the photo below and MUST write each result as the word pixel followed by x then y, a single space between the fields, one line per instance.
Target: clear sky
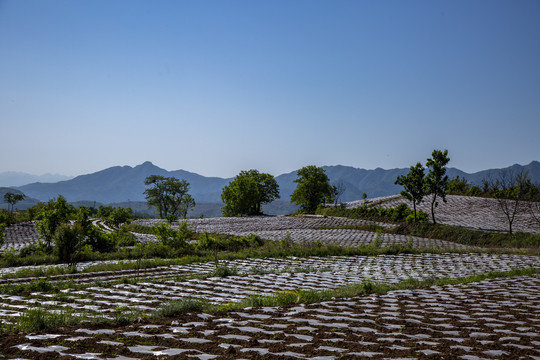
pixel 216 87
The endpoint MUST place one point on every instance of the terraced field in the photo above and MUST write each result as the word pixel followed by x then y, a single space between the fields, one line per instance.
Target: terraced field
pixel 103 294
pixel 492 319
pixel 307 229
pixel 496 318
pixel 466 211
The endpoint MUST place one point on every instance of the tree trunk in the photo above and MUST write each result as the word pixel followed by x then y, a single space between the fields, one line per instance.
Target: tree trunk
pixel 433 208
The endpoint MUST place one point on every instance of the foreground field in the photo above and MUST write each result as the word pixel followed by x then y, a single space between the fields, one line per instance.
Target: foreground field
pixel 102 294
pixel 497 318
pixel 242 313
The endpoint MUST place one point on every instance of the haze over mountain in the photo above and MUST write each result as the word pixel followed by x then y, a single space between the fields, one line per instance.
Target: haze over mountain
pixel 125 183
pixel 15 178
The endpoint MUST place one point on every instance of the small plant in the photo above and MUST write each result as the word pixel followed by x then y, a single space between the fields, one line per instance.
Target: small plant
pixel 409 243
pixel 258 270
pixel 286 242
pixel 224 271
pixel 171 218
pixel 377 242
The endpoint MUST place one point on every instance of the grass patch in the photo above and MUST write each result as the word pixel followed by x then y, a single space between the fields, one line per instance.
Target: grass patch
pixel 35 320
pixel 363 227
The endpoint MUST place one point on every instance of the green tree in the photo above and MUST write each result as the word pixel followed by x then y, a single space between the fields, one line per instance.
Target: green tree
pixel 13 199
pixel 169 195
pixel 119 216
pixel 413 185
pixel 436 182
pixel 52 215
pixel 69 242
pixel 247 192
pixel 458 186
pixel 313 188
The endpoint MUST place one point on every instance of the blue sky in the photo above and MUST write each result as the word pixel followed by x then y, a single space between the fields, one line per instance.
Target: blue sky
pixel 216 87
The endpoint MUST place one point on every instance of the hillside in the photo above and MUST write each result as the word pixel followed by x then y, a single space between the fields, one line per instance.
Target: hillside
pixel 125 183
pixel 21 205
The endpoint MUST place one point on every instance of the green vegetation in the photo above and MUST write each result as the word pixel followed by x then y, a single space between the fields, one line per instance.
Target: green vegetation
pixel 401 213
pixel 69 242
pixel 115 217
pixel 12 199
pixel 52 215
pixel 313 188
pixel 173 308
pixel 39 319
pixel 245 195
pixel 169 195
pixel 413 185
pixel 436 181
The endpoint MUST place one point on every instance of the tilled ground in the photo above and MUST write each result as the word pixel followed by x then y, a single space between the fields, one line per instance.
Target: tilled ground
pixel 104 293
pixel 491 319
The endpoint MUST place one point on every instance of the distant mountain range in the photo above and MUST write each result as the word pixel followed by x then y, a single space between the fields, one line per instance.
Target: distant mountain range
pixel 121 184
pixel 15 178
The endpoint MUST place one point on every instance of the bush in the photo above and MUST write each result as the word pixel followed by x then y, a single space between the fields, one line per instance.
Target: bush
pixel 176 239
pixel 400 212
pixel 224 271
pixel 120 237
pixel 206 242
pixel 157 249
pixel 69 241
pixel 119 216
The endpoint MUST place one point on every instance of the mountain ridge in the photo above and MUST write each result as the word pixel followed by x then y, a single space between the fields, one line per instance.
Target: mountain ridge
pixel 125 183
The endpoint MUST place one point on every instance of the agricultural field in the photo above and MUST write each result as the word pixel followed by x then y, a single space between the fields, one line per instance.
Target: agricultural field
pixel 429 299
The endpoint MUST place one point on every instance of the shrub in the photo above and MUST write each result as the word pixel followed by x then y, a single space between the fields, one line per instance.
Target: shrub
pixel 121 237
pixel 206 242
pixel 176 239
pixel 400 212
pixel 224 271
pixel 286 242
pixel 157 249
pixel 69 241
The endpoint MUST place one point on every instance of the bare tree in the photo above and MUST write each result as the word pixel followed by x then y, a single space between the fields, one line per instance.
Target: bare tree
pixel 339 189
pixel 534 203
pixel 510 190
pixel 534 208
